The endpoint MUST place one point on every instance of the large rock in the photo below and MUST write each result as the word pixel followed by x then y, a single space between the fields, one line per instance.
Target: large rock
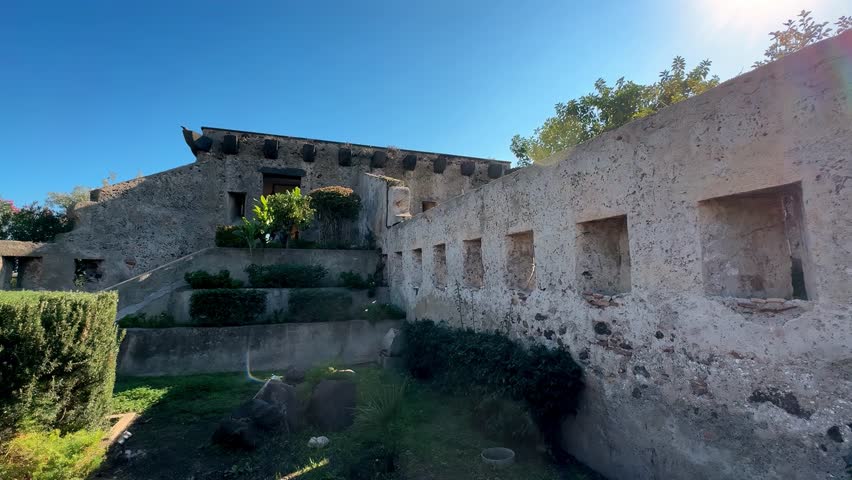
pixel 393 343
pixel 332 405
pixel 283 398
pixel 262 414
pixel 236 433
pixel 275 408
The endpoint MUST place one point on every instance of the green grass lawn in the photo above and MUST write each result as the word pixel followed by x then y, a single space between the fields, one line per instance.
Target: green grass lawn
pixel 171 440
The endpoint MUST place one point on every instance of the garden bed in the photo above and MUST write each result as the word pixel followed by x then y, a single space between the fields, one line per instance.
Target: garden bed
pixel 179 414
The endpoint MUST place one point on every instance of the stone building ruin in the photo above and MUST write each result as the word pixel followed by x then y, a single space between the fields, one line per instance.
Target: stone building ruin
pixel 697 262
pixel 135 226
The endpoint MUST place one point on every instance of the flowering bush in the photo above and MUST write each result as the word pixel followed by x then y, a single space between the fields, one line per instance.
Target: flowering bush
pixel 32 223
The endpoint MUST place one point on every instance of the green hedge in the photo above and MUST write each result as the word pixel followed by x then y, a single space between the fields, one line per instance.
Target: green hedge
pixel 226 307
pixel 319 306
pixel 200 279
pixel 228 236
pixel 286 276
pixel 57 359
pixel 466 361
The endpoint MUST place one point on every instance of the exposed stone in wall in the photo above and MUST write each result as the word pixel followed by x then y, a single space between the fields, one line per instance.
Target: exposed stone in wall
pixel 688 375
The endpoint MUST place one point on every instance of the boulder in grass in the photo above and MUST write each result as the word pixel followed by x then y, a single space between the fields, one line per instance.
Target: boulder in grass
pixel 236 433
pixel 332 405
pixel 283 398
pixel 275 408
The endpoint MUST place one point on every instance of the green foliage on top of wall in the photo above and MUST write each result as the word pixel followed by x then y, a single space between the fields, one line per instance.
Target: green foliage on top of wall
pixel 336 203
pixel 200 279
pixel 465 361
pixel 285 275
pixel 57 359
pixel 226 307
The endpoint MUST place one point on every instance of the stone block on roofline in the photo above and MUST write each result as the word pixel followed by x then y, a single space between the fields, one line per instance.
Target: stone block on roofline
pixel 230 145
pixel 379 159
pixel 344 157
pixel 409 162
pixel 270 148
pixel 467 168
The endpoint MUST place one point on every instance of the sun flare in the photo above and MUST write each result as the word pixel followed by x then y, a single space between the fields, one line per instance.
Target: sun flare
pixel 750 17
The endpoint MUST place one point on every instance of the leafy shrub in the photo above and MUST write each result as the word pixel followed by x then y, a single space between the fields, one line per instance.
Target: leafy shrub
pixel 142 320
pixel 285 276
pixel 32 223
pixel 223 307
pixel 355 281
pixel 334 206
pixel 230 236
pixel 464 361
pixel 57 359
pixel 52 456
pixel 201 279
pixel 382 311
pixel 335 203
pixel 317 305
pixel 290 211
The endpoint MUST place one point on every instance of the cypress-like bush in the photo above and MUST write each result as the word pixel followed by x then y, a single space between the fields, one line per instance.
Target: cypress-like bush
pixel 285 276
pixel 226 307
pixel 57 359
pixel 466 361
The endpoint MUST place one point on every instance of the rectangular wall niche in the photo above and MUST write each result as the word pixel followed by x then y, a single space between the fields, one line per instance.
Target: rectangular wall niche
pixel 753 244
pixel 603 256
pixel 87 271
pixel 417 267
pixel 236 206
pixel 520 261
pixel 474 271
pixel 439 265
pixel 18 273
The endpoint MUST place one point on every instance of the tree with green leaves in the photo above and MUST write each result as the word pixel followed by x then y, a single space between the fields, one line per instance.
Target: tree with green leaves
pixel 609 107
pixel 65 202
pixel 798 34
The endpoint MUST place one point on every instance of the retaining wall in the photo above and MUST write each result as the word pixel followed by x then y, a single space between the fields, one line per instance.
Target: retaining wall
pixel 194 350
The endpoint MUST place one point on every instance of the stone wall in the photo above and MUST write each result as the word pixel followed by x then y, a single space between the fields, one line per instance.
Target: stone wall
pixel 132 227
pixel 635 242
pixel 256 348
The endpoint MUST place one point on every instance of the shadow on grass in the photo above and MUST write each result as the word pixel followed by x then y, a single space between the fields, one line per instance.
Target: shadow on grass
pixel 171 440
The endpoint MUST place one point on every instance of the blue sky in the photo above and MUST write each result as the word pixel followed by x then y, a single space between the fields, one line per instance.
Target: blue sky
pixel 90 87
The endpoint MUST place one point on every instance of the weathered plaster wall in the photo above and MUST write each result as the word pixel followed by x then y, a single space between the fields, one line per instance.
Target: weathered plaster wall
pixel 681 384
pixel 188 350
